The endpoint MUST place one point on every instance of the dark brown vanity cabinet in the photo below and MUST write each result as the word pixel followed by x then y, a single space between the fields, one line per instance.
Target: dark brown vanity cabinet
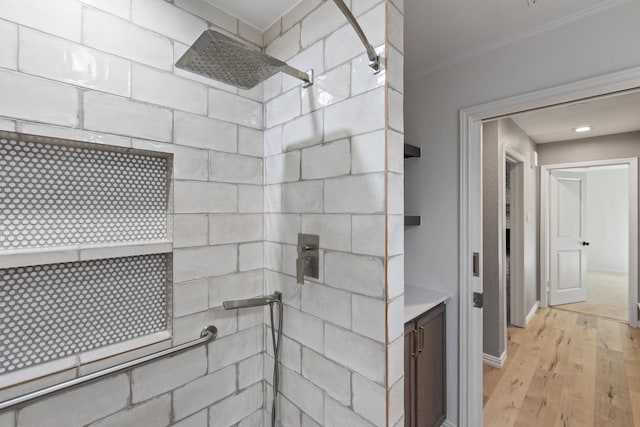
pixel 424 369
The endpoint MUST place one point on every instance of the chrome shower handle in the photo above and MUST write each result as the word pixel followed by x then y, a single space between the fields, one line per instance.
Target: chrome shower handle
pixel 303 264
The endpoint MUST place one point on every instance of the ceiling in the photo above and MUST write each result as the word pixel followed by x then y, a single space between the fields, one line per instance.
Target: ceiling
pixel 439 33
pixel 257 13
pixel 606 115
pixel 442 32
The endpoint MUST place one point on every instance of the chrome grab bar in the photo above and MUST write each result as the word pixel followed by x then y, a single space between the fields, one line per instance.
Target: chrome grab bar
pixel 208 334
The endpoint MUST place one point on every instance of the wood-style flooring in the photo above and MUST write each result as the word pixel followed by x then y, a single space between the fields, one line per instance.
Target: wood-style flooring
pixel 566 369
pixel 607 296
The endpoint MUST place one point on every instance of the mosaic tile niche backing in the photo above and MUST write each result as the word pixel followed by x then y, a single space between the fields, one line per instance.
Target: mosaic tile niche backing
pixel 57 310
pixel 57 195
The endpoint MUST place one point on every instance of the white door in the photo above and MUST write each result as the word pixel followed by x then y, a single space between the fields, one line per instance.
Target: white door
pixel 567 243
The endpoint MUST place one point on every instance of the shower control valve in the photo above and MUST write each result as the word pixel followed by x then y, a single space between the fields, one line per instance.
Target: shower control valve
pixel 307 263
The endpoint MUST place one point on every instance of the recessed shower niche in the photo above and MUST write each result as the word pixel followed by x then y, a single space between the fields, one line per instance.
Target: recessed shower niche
pixel 58 195
pixel 86 253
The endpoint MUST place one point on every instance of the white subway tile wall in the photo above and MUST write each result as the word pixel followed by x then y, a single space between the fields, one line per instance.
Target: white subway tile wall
pixel 287 45
pixel 121 37
pixel 366 396
pixel 217 17
pixel 8 45
pixel 231 410
pixel 177 92
pixel 120 8
pixel 153 413
pixel 103 72
pixel 82 405
pixel 33 98
pixel 64 61
pixel 328 157
pixel 60 18
pixel 395 213
pixel 204 391
pixel 252 169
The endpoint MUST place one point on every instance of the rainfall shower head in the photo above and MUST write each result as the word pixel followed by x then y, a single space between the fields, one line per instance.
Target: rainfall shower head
pixel 252 302
pixel 222 58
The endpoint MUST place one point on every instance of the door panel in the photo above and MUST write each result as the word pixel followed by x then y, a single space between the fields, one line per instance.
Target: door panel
pixel 430 368
pixel 409 375
pixel 569 207
pixel 567 255
pixel 569 270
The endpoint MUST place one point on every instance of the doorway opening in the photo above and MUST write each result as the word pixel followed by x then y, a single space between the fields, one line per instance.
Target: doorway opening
pixel 509 166
pixel 513 242
pixel 589 211
pixel 471 338
pixel 506 179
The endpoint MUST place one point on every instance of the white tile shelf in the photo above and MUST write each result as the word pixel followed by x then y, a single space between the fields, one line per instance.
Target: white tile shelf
pixel 61 254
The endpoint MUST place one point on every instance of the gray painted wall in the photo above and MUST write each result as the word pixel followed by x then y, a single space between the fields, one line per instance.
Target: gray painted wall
pixel 498 135
pixel 589 46
pixel 622 145
pixel 493 314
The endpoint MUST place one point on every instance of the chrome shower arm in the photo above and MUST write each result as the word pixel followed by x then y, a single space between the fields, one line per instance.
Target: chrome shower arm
pixel 374 59
pixel 307 77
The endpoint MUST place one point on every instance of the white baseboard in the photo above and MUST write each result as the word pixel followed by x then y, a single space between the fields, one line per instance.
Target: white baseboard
pixel 531 313
pixel 496 362
pixel 607 270
pixel 448 423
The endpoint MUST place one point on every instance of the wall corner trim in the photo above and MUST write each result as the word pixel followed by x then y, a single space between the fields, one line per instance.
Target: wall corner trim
pixel 496 362
pixel 532 312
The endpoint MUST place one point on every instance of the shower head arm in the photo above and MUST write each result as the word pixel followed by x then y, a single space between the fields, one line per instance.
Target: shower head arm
pixel 307 77
pixel 374 59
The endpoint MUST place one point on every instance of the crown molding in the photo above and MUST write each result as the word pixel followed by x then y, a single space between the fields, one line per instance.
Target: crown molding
pixel 557 23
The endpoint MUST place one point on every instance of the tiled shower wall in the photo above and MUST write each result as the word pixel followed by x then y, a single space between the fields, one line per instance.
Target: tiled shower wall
pixel 90 70
pixel 333 167
pixel 102 71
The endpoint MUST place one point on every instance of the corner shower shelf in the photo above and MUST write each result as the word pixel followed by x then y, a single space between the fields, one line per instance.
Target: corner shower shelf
pixel 74 253
pixel 411 151
pixel 411 220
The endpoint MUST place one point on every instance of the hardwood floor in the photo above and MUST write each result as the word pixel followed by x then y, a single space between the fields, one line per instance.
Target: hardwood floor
pixel 607 296
pixel 566 369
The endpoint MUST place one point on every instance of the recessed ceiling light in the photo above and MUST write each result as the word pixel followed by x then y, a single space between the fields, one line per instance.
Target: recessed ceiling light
pixel 583 129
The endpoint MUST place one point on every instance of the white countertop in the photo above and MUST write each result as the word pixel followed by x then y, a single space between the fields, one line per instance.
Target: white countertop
pixel 419 300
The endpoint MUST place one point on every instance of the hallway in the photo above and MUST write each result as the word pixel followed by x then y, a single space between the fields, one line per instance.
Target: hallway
pixel 566 369
pixel 607 296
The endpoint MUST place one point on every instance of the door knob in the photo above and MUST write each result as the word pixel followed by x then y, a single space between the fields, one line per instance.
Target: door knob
pixel 585 243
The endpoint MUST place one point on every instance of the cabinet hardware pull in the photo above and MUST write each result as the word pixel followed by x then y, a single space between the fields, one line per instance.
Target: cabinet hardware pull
pixel 421 339
pixel 414 343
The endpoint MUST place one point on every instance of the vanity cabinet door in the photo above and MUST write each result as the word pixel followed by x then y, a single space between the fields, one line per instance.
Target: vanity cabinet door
pixel 424 369
pixel 430 386
pixel 409 374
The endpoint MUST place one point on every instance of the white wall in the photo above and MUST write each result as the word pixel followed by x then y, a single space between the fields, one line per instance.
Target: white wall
pixel 608 220
pixel 588 47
